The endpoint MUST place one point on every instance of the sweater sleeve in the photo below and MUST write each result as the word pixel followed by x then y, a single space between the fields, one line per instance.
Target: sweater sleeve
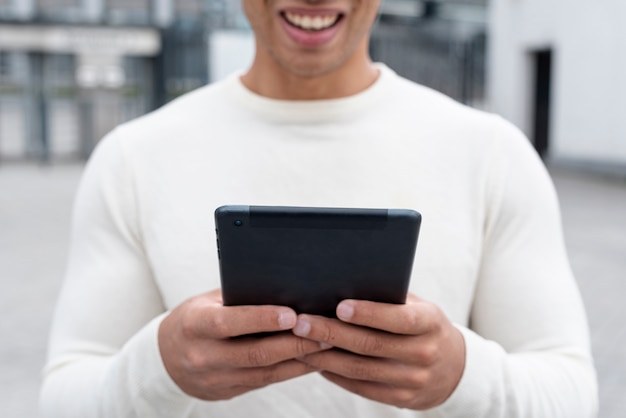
pixel 528 351
pixel 103 358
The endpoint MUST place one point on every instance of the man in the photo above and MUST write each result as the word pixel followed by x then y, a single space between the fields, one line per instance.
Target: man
pixel 494 326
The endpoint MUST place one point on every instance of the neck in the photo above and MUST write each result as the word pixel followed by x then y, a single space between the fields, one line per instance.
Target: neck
pixel 267 78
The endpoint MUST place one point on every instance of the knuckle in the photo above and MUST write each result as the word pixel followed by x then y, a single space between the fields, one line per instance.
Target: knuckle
pixel 301 347
pixel 194 361
pixel 428 355
pixel 199 319
pixel 404 398
pixel 217 325
pixel 258 356
pixel 434 315
pixel 188 323
pixel 360 372
pixel 413 319
pixel 327 334
pixel 371 344
pixel 419 380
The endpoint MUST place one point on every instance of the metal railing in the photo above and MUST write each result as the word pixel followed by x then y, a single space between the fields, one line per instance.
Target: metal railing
pixel 443 55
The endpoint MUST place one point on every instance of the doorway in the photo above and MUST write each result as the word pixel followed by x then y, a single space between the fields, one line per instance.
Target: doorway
pixel 542 100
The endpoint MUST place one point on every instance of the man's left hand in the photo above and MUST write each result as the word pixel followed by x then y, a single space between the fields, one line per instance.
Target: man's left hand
pixel 409 356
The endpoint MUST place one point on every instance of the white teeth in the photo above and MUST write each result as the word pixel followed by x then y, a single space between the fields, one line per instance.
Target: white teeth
pixel 311 23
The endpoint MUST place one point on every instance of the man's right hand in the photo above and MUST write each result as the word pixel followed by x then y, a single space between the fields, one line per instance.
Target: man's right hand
pixel 201 356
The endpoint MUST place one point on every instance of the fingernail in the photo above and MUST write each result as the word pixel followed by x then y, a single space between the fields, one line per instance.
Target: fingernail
pixel 302 328
pixel 286 320
pixel 325 346
pixel 345 311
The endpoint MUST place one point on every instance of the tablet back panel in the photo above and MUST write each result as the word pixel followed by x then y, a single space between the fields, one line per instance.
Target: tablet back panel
pixel 312 258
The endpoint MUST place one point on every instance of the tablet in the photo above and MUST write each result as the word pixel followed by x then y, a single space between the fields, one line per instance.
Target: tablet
pixel 311 258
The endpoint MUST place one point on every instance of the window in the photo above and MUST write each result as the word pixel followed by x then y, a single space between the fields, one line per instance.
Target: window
pixel 13 71
pixel 130 11
pixel 6 9
pixel 5 66
pixel 190 7
pixel 60 10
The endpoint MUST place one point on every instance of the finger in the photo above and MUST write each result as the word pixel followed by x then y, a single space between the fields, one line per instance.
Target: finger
pixel 368 369
pixel 355 339
pixel 237 382
pixel 208 318
pixel 264 376
pixel 416 317
pixel 267 351
pixel 387 394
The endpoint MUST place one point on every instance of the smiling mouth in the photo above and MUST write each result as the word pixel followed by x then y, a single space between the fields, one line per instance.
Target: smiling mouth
pixel 311 23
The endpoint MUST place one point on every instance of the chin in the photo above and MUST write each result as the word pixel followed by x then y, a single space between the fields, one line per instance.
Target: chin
pixel 310 68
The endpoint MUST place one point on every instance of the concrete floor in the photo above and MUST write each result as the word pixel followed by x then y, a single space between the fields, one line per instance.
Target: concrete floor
pixel 594 216
pixel 35 206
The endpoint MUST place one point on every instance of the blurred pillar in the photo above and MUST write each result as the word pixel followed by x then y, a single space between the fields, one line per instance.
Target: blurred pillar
pixel 86 129
pixel 37 109
pixel 94 10
pixel 431 9
pixel 25 9
pixel 100 78
pixel 163 12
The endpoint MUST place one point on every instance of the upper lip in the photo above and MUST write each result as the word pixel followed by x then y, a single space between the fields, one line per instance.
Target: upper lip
pixel 312 11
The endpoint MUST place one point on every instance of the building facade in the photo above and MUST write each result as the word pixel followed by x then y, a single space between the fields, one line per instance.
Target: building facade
pixel 438 43
pixel 557 71
pixel 70 70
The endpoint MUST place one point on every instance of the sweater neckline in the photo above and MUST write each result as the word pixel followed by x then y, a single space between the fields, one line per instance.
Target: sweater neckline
pixel 311 111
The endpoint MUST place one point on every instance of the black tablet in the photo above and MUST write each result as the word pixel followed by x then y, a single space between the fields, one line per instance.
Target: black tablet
pixel 310 259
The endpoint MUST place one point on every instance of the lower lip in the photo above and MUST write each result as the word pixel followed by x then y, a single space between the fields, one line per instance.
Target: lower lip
pixel 310 39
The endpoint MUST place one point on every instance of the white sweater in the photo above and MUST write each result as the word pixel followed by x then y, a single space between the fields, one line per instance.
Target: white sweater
pixel 490 254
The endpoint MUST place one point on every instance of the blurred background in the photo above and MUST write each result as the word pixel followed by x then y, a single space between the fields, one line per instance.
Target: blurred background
pixel 71 70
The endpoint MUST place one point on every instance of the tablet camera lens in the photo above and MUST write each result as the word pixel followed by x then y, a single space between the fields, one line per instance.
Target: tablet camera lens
pixel 238 223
